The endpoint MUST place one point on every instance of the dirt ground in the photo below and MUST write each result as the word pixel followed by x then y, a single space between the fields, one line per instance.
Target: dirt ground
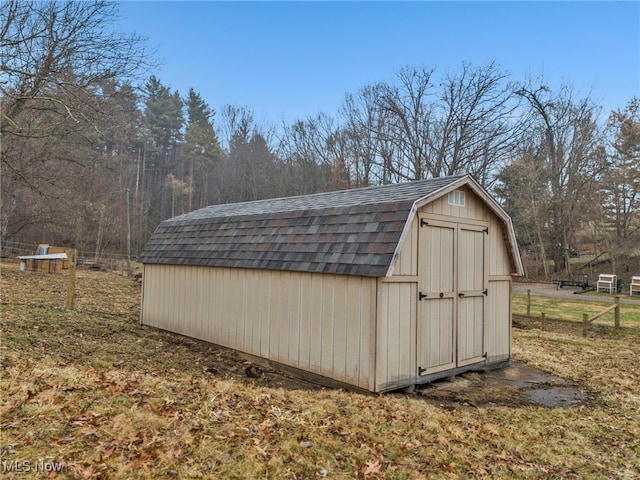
pixel 515 385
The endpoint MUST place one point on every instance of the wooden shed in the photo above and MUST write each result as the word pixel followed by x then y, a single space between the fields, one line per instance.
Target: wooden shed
pixel 375 288
pixel 47 259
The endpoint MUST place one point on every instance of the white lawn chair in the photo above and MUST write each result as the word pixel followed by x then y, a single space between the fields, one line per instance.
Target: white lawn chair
pixel 607 282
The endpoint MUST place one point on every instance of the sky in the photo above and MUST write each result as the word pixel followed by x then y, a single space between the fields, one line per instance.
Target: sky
pixel 291 60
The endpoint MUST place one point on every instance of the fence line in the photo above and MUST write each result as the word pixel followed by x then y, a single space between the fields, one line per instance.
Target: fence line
pixel 104 261
pixel 585 316
pixel 616 316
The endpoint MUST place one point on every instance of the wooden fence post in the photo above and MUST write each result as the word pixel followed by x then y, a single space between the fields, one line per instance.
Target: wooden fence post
pixel 616 313
pixel 543 321
pixel 528 303
pixel 71 284
pixel 585 321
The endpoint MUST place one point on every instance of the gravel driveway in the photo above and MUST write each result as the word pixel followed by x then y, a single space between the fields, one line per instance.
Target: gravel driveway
pixel 574 293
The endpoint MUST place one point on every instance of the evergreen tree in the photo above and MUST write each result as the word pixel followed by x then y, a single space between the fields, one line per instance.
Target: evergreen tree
pixel 201 151
pixel 163 122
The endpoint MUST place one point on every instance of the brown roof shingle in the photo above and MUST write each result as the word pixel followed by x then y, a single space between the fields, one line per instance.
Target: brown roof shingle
pixel 353 232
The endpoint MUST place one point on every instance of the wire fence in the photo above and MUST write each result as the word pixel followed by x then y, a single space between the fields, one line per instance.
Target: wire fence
pixel 10 250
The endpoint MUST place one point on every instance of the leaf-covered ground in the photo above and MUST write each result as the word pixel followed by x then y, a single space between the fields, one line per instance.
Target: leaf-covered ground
pixel 92 393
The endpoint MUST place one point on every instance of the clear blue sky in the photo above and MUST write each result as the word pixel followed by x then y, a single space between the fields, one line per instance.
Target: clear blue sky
pixel 290 60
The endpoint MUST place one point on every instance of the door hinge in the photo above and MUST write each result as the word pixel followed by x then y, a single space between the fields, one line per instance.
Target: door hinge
pixel 486 230
pixel 421 370
pixel 421 296
pixel 423 222
pixel 486 292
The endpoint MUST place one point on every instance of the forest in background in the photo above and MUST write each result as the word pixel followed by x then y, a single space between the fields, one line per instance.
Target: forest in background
pixel 85 123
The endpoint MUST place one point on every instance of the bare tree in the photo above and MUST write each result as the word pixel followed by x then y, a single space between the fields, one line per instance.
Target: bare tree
pixel 522 190
pixel 465 123
pixel 476 127
pixel 616 228
pixel 310 148
pixel 407 111
pixel 52 52
pixel 61 64
pixel 621 181
pixel 572 158
pixel 250 169
pixel 363 130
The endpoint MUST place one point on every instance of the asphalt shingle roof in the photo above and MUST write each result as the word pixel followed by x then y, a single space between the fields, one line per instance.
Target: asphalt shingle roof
pixel 353 232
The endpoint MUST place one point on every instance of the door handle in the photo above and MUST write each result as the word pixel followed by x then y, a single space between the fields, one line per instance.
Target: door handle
pixel 461 294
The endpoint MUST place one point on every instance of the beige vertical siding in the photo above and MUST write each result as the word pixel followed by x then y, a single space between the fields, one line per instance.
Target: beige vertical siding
pixel 436 329
pixel 474 209
pixel 499 298
pixel 316 322
pixel 395 333
pixel 407 263
pixel 499 263
pixel 470 329
pixel 396 339
pixel 499 324
pixel 499 268
pixel 472 280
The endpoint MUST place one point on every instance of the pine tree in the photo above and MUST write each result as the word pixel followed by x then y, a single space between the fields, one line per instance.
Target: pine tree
pixel 202 152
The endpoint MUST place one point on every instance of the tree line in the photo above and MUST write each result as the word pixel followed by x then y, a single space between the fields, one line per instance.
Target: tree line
pixel 86 125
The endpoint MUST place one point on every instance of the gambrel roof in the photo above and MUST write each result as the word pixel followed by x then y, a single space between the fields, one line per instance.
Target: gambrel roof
pixel 352 232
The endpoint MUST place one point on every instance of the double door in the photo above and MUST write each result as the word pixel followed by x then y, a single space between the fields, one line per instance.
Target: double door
pixel 452 292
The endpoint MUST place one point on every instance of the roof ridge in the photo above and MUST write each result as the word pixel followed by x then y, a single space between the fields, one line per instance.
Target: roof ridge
pixel 376 194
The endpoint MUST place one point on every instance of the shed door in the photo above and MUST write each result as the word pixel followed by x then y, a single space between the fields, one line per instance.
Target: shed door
pixel 452 290
pixel 472 291
pixel 436 309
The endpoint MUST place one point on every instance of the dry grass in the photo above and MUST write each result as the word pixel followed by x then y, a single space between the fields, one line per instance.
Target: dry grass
pixel 106 398
pixel 572 310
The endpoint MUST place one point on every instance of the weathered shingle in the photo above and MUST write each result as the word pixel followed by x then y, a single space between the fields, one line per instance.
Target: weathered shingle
pixel 352 232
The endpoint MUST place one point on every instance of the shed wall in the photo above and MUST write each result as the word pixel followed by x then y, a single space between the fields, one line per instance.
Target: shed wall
pixel 320 323
pixel 396 334
pixel 475 209
pixel 396 346
pixel 499 299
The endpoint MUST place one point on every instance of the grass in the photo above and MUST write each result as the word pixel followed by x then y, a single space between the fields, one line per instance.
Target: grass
pixel 106 398
pixel 572 310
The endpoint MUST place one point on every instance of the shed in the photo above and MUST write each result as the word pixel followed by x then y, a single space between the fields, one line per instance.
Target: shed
pixel 47 259
pixel 374 288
